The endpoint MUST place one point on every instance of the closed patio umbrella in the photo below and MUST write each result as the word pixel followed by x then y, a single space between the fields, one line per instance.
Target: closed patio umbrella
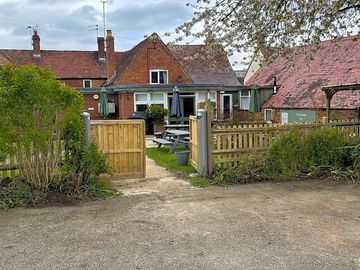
pixel 104 106
pixel 254 105
pixel 175 104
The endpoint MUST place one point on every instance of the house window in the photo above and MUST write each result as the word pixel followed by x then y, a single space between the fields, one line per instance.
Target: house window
pixel 87 83
pixel 143 100
pixel 202 96
pixel 268 115
pixel 158 76
pixel 244 99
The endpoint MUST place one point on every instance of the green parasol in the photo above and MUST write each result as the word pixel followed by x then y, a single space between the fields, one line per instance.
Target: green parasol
pixel 104 106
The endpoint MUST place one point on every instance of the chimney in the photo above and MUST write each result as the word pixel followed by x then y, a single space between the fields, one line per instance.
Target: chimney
pixel 110 61
pixel 36 44
pixel 101 48
pixel 110 45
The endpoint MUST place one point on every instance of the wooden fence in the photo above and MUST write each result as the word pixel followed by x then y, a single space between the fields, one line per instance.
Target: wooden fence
pixel 11 167
pixel 231 143
pixel 123 143
pixel 193 142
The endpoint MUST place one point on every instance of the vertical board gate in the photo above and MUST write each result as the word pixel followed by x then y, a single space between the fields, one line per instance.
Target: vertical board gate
pixel 123 143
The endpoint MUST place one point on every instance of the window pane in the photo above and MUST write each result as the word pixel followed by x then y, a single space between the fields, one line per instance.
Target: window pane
pixel 202 96
pixel 212 96
pixel 87 83
pixel 157 97
pixel 245 102
pixel 163 77
pixel 268 115
pixel 154 77
pixel 245 93
pixel 141 107
pixel 141 97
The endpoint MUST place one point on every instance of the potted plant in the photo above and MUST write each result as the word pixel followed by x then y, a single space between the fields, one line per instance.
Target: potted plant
pixel 157 113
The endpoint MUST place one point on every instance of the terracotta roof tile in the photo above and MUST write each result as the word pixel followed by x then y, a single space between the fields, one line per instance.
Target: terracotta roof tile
pixel 333 64
pixel 194 60
pixel 65 64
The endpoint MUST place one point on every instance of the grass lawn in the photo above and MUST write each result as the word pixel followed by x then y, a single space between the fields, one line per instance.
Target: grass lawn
pixel 168 161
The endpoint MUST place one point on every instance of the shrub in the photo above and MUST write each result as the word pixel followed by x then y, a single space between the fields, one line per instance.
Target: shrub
pixel 34 109
pixel 296 153
pixel 37 114
pixel 249 170
pixel 157 112
pixel 327 147
pixel 286 157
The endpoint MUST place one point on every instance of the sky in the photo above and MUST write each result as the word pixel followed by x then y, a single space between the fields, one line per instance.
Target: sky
pixel 70 24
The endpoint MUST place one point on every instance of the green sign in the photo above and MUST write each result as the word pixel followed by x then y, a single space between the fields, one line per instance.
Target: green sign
pixel 297 116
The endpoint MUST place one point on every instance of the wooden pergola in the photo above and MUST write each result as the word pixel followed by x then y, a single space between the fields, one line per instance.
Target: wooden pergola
pixel 331 90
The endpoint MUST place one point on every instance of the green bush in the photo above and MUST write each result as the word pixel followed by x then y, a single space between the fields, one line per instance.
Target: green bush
pixel 37 115
pixel 157 112
pixel 327 147
pixel 297 153
pixel 249 170
pixel 286 157
pixel 18 192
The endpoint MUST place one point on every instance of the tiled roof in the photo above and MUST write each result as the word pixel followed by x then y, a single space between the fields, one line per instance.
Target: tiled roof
pixel 335 63
pixel 65 64
pixel 200 68
pixel 193 59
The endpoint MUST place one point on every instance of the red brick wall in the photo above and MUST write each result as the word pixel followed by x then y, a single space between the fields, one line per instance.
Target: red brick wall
pixel 154 56
pixel 126 105
pixel 90 102
pixel 79 82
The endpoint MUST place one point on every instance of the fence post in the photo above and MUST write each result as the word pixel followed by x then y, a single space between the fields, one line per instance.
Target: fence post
pixel 86 119
pixel 209 137
pixel 202 142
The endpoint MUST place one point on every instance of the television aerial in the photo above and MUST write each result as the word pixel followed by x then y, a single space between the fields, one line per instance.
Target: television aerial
pixel 104 3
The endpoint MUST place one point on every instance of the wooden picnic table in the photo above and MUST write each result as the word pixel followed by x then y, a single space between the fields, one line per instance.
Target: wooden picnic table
pixel 173 137
pixel 179 126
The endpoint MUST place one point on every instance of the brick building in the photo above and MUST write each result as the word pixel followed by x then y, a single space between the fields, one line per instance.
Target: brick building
pixel 144 75
pixel 299 97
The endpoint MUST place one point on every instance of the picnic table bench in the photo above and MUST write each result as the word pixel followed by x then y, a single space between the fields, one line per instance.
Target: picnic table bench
pixel 175 138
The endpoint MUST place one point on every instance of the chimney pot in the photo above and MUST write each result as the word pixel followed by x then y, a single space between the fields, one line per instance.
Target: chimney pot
pixel 36 44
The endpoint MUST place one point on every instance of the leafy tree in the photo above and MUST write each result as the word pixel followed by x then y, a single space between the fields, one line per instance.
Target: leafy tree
pixel 246 25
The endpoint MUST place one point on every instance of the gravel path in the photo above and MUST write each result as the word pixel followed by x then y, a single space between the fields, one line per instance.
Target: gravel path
pixel 300 225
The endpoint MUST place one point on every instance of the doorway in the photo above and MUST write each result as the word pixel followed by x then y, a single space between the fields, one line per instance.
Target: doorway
pixel 226 105
pixel 187 104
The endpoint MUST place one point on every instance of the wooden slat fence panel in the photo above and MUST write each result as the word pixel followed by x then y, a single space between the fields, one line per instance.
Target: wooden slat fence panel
pixel 193 141
pixel 232 142
pixel 123 143
pixel 11 166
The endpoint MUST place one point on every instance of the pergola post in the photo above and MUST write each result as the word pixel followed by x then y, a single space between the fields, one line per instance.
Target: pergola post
pixel 330 91
pixel 329 96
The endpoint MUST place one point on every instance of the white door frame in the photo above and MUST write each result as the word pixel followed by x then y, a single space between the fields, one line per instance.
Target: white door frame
pixel 222 103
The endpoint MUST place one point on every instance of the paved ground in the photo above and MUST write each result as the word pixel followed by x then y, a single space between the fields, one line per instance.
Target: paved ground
pixel 304 225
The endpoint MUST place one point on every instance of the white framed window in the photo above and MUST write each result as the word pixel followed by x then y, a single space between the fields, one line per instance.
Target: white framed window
pixel 143 100
pixel 202 96
pixel 244 99
pixel 87 83
pixel 158 76
pixel 268 115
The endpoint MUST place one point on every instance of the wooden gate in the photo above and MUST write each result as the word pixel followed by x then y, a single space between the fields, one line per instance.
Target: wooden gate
pixel 123 143
pixel 193 142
